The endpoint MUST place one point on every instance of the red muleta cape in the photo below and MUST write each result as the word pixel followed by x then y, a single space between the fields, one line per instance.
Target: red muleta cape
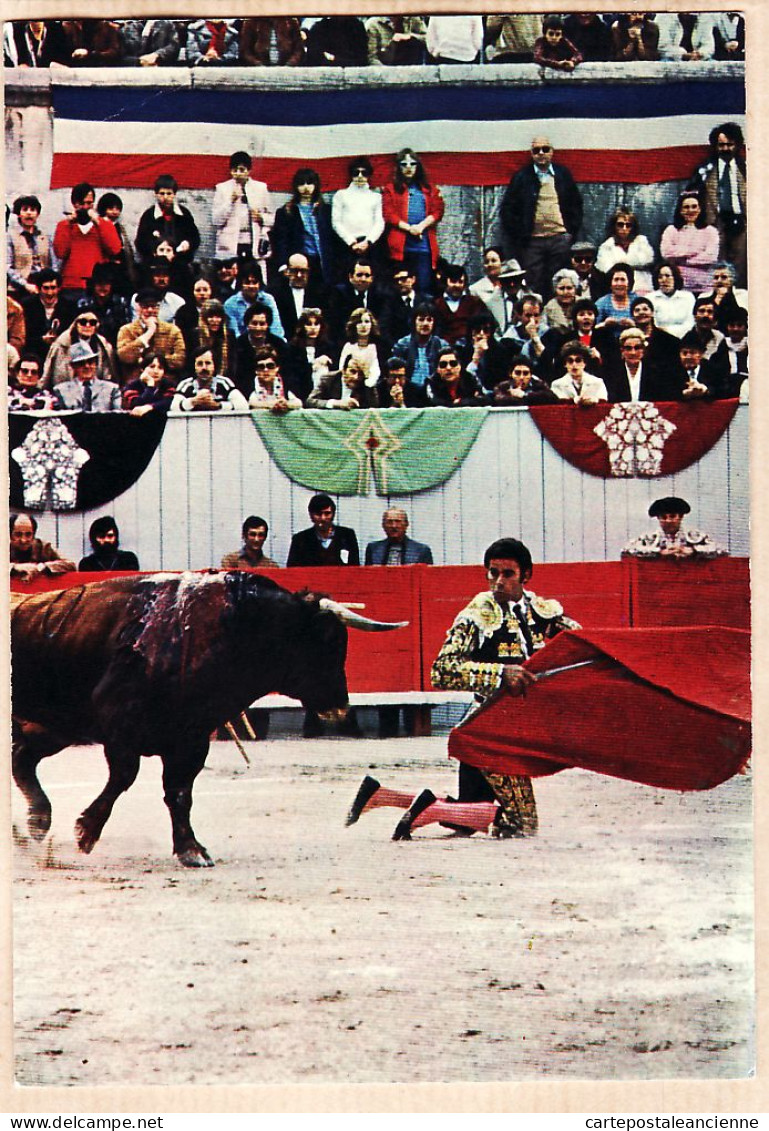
pixel 668 707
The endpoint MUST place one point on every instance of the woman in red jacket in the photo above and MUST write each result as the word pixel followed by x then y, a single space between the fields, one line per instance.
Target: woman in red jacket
pixel 412 208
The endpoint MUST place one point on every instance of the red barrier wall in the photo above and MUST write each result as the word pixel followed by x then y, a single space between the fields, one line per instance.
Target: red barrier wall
pixel 597 594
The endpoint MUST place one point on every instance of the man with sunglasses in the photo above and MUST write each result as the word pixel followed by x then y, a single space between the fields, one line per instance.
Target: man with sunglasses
pixel 450 386
pixel 541 215
pixel 592 282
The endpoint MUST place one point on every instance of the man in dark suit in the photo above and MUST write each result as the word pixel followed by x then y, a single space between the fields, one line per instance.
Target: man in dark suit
pixel 294 292
pixel 360 290
pixel 541 215
pixel 397 548
pixel 723 183
pixel 403 301
pixel 323 544
pixel 661 347
pixel 46 314
pixel 632 377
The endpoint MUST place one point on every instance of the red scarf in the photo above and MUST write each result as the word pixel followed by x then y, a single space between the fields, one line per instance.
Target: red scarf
pixel 217 36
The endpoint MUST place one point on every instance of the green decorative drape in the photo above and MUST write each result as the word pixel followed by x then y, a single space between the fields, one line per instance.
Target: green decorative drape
pixel 339 452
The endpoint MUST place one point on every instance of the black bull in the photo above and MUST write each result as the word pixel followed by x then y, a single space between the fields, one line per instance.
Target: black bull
pixel 151 666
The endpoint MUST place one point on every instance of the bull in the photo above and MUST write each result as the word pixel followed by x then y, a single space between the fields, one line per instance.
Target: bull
pixel 152 666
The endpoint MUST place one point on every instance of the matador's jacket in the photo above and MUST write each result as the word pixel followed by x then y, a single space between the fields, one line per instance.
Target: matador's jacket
pixel 483 638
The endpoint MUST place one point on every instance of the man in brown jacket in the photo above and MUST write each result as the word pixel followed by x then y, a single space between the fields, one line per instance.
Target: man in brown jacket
pixel 146 335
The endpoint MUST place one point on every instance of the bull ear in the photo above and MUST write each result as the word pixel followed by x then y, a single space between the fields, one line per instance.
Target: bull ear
pixel 355 620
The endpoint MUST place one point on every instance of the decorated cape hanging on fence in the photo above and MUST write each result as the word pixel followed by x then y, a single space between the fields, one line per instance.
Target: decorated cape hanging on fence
pixel 78 461
pixel 634 440
pixel 640 133
pixel 338 452
pixel 668 707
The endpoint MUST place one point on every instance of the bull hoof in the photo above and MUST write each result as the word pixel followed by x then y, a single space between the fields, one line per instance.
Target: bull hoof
pixel 38 822
pixel 195 857
pixel 84 836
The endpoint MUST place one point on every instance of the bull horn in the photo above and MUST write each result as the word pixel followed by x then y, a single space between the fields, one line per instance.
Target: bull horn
pixel 355 620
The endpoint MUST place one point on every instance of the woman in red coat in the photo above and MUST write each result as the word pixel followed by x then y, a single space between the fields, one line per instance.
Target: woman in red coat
pixel 412 208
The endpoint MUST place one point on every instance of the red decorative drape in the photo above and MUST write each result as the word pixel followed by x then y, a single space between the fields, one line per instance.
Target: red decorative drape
pixel 668 707
pixel 654 450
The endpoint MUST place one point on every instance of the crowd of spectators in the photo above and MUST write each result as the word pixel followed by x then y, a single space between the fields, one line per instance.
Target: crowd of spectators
pixel 561 42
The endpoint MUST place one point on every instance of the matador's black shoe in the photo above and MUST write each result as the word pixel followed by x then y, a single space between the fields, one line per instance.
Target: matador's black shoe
pixel 417 806
pixel 457 830
pixel 368 788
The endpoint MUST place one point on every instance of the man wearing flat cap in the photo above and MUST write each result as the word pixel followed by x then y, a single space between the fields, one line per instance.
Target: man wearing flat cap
pixel 672 540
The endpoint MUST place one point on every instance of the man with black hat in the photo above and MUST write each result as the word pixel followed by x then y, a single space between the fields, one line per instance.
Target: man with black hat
pixel 86 392
pixel 592 282
pixel 484 650
pixel 672 540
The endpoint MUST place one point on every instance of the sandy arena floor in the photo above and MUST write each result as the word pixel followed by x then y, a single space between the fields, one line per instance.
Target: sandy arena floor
pixel 617 944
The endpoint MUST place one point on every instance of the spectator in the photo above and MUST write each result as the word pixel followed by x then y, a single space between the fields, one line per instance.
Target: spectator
pixel 250 290
pixel 601 345
pixel 356 212
pixel 690 242
pixel 336 41
pixel 150 43
pixel 521 386
pixel 634 377
pixel 614 307
pixel 635 37
pixel 625 244
pixel 512 282
pixel 412 208
pixel 251 555
pixel 100 299
pixel 207 391
pixel 271 42
pixel 303 226
pixel 242 214
pixel 295 291
pixel 106 556
pixel 168 221
pixel 421 347
pixel 686 36
pixel 110 206
pixel 82 240
pixel 454 39
pixel 552 49
pixel 670 540
pixel 712 342
pixel 558 312
pixel 455 307
pixel 726 297
pixel 45 314
pixel 404 300
pixel 396 41
pixel 269 390
pixel 257 334
pixel 323 543
pixel 737 350
pixel 489 288
pixel 590 35
pixel 591 283
pixel 396 391
pixel 146 335
pixel 25 387
pixel 673 306
pixel 93 43
pixel 450 386
pixel 362 344
pixel 159 280
pixel 83 329
pixel 541 214
pixel 577 385
pixel 723 182
pixel 152 391
pixel 660 347
pixel 485 358
pixel 85 392
pixel 309 355
pixel 729 35
pixel 696 377
pixel 39 43
pixel 346 388
pixel 361 290
pixel 527 336
pixel 29 555
pixel 212 331
pixel 187 316
pixel 212 42
pixel 226 273
pixel 511 39
pixel 27 249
